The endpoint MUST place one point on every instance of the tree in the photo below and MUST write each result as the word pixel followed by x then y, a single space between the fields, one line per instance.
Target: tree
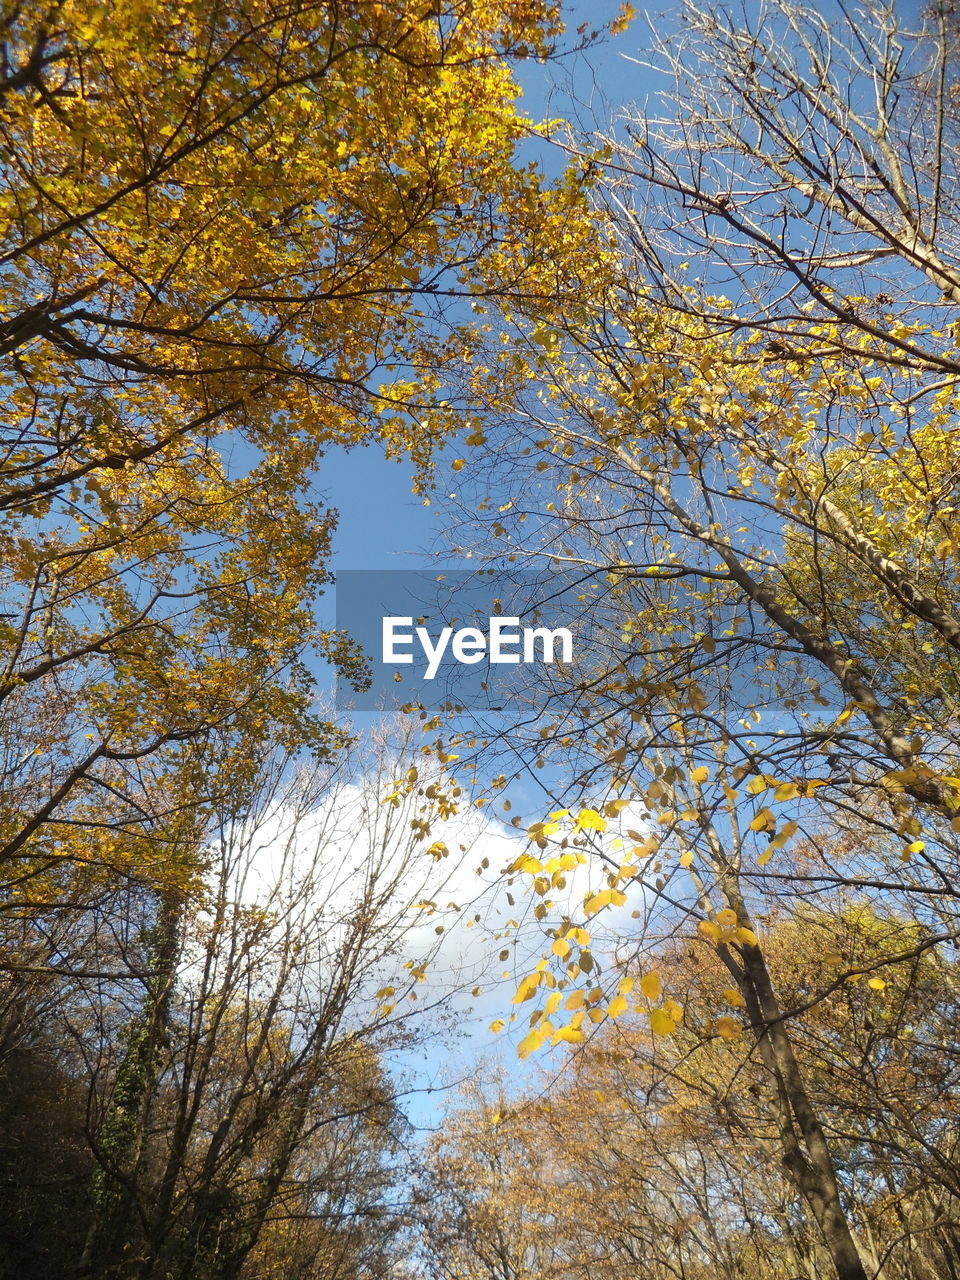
pixel 221 1087
pixel 662 1154
pixel 753 471
pixel 233 237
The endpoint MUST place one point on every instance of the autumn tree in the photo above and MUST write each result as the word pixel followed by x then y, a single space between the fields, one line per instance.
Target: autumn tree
pixel 215 1101
pixel 233 236
pixel 743 441
pixel 661 1154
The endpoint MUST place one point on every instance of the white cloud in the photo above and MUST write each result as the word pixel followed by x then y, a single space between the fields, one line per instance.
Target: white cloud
pixel 311 873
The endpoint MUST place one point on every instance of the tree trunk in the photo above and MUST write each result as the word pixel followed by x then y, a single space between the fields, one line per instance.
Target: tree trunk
pixel 113 1237
pixel 806 1155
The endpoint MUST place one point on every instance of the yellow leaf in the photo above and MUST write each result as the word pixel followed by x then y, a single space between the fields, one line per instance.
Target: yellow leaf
pixel 614 807
pixel 728 1028
pixel 568 1035
pixel 617 1006
pixel 661 1024
pixel 762 821
pixel 876 984
pixel 590 820
pixel 696 697
pixel 734 998
pixel 686 858
pixel 596 902
pixel 786 791
pixel 531 1042
pixel 527 987
pixel 651 986
pixel 700 774
pixel 783 835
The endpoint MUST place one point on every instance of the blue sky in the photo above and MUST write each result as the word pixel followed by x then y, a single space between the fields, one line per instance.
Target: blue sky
pixel 382 524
